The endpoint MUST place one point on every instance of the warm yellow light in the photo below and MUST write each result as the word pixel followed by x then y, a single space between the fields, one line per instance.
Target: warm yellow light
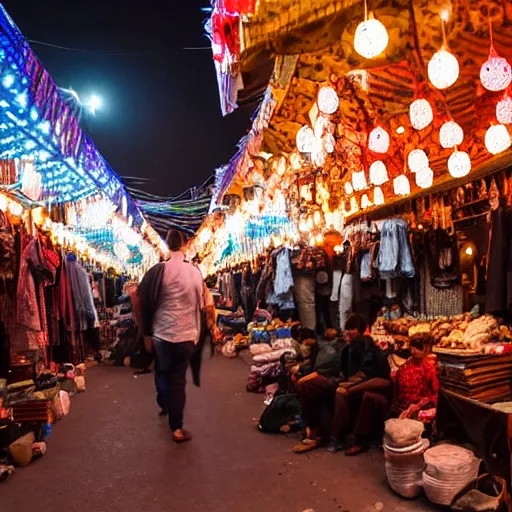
pixel 378 196
pixel 497 139
pixel 469 251
pixel 400 130
pixel 365 202
pixel 504 110
pixel 495 73
pixel 420 114
pixel 450 135
pixel 425 177
pixel 378 141
pixel 328 100
pixel 15 208
pixel 378 173
pixel 3 202
pixel 401 185
pixel 371 38
pixel 417 160
pixel 443 69
pixel 459 164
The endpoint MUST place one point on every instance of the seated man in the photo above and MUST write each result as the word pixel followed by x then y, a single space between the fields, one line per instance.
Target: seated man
pixel 416 388
pixel 355 359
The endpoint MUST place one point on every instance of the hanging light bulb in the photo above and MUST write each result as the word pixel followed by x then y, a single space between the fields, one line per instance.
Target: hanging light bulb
pixel 504 110
pixel 420 113
pixel 328 100
pixel 378 196
pixel 417 160
pixel 459 164
pixel 371 37
pixel 305 140
pixel 359 181
pixel 443 69
pixel 425 177
pixel 349 189
pixel 450 135
pixel 365 202
pixel 497 139
pixel 4 203
pixel 15 208
pixel 378 141
pixel 495 73
pixel 378 173
pixel 401 185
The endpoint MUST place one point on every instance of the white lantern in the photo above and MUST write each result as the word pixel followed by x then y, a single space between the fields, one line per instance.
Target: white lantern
pixel 378 196
pixel 459 164
pixel 371 38
pixel 305 140
pixel 504 110
pixel 328 100
pixel 443 69
pixel 15 208
pixel 417 160
pixel 330 143
pixel 450 135
pixel 401 185
pixel 353 204
pixel 497 139
pixel 378 141
pixel 420 114
pixel 495 74
pixel 378 173
pixel 359 181
pixel 321 126
pixel 281 166
pixel 365 202
pixel 349 189
pixel 296 161
pixel 425 177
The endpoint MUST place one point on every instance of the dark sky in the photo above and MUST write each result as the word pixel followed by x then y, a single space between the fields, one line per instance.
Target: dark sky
pixel 161 117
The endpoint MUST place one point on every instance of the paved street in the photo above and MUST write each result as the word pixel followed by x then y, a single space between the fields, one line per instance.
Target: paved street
pixel 113 453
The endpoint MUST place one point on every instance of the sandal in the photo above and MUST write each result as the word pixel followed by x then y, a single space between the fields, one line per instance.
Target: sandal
pixel 181 436
pixel 307 445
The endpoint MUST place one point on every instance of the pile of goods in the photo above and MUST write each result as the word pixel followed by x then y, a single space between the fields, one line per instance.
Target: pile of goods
pixel 461 333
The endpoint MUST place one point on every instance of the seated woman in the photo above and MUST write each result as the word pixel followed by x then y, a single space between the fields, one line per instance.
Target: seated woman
pixel 416 388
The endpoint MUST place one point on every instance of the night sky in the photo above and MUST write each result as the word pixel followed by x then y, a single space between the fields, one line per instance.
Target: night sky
pixel 161 116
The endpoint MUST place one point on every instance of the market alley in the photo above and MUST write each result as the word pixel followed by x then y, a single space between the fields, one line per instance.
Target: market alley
pixel 113 453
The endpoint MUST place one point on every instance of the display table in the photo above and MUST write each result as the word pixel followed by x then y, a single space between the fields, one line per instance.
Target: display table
pixel 470 421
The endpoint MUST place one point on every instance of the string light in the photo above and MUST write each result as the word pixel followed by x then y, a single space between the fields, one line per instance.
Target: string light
pixel 497 139
pixel 459 164
pixel 420 114
pixel 378 173
pixel 417 160
pixel 378 141
pixel 450 135
pixel 328 100
pixel 504 110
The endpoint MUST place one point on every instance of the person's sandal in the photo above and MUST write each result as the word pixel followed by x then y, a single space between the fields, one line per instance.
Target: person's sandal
pixel 356 449
pixel 307 445
pixel 181 436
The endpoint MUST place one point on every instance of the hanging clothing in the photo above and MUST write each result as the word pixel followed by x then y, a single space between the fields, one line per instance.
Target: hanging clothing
pixel 305 299
pixel 395 258
pixel 82 294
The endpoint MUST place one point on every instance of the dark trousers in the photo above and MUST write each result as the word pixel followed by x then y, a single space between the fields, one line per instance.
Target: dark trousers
pixel 315 393
pixel 172 360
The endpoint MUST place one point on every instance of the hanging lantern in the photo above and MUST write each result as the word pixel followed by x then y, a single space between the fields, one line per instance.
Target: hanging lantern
pixel 378 141
pixel 443 69
pixel 459 164
pixel 417 160
pixel 425 177
pixel 371 38
pixel 401 185
pixel 353 204
pixel 420 114
pixel 378 196
pixel 330 143
pixel 359 181
pixel 321 126
pixel 495 74
pixel 15 208
pixel 328 100
pixel 365 202
pixel 378 173
pixel 504 110
pixel 450 135
pixel 305 140
pixel 349 189
pixel 296 161
pixel 497 139
pixel 281 166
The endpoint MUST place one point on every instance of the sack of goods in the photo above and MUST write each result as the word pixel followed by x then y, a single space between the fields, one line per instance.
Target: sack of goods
pixel 403 451
pixel 449 468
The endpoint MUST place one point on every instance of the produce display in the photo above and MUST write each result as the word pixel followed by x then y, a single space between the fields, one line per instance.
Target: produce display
pixel 459 333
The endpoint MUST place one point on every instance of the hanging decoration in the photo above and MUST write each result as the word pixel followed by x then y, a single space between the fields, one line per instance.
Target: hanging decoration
pixel 420 114
pixel 305 140
pixel 371 37
pixel 359 181
pixel 378 173
pixel 459 164
pixel 425 177
pixel 378 141
pixel 322 126
pixel 401 185
pixel 504 110
pixel 349 189
pixel 365 202
pixel 450 135
pixel 495 73
pixel 378 196
pixel 328 100
pixel 354 207
pixel 31 182
pixel 497 139
pixel 417 160
pixel 330 143
pixel 443 67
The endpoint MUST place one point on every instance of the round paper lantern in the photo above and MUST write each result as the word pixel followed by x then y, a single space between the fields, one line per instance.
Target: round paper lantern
pixel 443 69
pixel 353 204
pixel 378 141
pixel 327 100
pixel 459 164
pixel 497 139
pixel 378 196
pixel 378 173
pixel 330 143
pixel 504 110
pixel 359 181
pixel 349 189
pixel 401 185
pixel 495 74
pixel 365 202
pixel 371 38
pixel 450 135
pixel 417 160
pixel 305 140
pixel 420 114
pixel 425 177
pixel 321 126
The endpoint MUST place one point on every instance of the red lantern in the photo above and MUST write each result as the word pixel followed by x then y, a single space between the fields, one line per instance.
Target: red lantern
pixel 225 35
pixel 239 6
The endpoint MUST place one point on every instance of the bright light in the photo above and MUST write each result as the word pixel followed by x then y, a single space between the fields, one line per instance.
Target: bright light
pixel 371 38
pixel 400 130
pixel 469 251
pixel 8 81
pixel 94 103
